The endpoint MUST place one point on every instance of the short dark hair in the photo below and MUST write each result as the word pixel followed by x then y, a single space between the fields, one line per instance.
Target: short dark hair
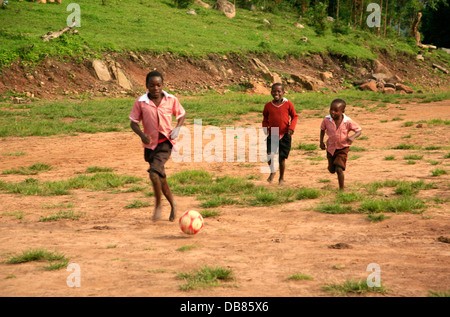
pixel 339 102
pixel 153 73
pixel 277 84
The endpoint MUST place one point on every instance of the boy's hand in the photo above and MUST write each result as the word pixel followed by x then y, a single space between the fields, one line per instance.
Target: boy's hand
pixel 146 139
pixel 291 132
pixel 322 146
pixel 175 133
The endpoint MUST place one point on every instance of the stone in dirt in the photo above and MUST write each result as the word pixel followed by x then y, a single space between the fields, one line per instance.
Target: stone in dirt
pixel 340 245
pixel 371 86
pixel 101 70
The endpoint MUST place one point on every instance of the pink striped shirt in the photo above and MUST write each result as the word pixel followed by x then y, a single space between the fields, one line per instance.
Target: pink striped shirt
pixel 155 119
pixel 337 139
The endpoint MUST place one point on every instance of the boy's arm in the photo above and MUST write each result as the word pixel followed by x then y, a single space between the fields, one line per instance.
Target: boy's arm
pixel 137 129
pixel 354 127
pixel 176 131
pixel 322 134
pixel 294 119
pixel 265 122
pixel 352 138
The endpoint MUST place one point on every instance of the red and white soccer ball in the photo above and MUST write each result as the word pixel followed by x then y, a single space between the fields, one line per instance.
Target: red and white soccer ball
pixel 191 222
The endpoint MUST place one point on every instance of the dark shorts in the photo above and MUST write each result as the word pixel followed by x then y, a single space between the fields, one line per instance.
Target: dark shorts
pixel 284 146
pixel 158 157
pixel 338 159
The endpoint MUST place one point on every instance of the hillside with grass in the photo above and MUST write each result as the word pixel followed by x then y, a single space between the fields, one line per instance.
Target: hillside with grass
pixel 196 52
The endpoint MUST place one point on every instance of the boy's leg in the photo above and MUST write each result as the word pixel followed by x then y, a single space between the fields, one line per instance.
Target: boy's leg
pixel 340 175
pixel 156 182
pixel 282 169
pixel 168 194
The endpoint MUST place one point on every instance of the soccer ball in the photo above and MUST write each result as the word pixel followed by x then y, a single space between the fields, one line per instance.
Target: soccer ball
pixel 191 222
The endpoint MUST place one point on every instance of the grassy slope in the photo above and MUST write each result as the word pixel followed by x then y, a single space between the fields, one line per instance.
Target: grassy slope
pixel 157 26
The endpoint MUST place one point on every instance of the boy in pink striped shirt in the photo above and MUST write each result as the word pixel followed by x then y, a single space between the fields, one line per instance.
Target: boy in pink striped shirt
pixel 337 127
pixel 155 110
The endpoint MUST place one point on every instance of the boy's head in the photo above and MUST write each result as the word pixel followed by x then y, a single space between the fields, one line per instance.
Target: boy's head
pixel 277 91
pixel 154 83
pixel 337 108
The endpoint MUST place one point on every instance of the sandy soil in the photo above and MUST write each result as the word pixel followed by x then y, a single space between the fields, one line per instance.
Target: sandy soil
pixel 262 245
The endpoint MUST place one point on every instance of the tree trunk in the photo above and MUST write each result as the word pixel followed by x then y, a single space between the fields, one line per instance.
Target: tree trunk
pixel 385 17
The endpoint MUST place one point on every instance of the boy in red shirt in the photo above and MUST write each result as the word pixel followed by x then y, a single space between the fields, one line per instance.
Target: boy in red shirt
pixel 279 113
pixel 337 127
pixel 155 109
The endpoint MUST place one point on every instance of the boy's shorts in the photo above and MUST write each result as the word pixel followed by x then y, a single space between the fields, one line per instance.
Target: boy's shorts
pixel 158 157
pixel 284 146
pixel 338 159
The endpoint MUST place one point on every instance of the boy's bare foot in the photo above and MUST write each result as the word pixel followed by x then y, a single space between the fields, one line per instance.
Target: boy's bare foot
pixel 173 212
pixel 270 179
pixel 281 182
pixel 157 213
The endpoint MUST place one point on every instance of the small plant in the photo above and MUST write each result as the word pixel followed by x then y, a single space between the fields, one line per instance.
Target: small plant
pixel 413 157
pixel 186 248
pixel 389 158
pixel 209 213
pixel 306 147
pixel 30 170
pixel 307 193
pixel 183 4
pixel 137 204
pixel 352 286
pixel 63 214
pixel 299 276
pixel 97 169
pixel 438 172
pixel 376 218
pixel 403 146
pixel 56 260
pixel 204 278
pixel 439 293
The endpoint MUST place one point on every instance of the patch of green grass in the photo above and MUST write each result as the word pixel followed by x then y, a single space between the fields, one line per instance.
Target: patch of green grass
pixel 96 182
pixel 396 205
pixel 298 277
pixel 357 149
pixel 62 214
pixel 413 157
pixel 389 158
pixel 56 260
pixel 30 170
pixel 205 277
pixel 446 156
pixel 353 286
pixel 334 208
pixel 209 213
pixel 98 169
pixel 403 146
pixel 348 197
pixel 307 193
pixel 439 293
pixel 306 147
pixel 377 218
pixel 17 214
pixel 137 204
pixel 13 153
pixel 187 248
pixel 433 147
pixel 438 172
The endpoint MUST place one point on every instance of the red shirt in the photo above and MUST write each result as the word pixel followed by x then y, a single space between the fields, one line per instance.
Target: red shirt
pixel 337 138
pixel 282 116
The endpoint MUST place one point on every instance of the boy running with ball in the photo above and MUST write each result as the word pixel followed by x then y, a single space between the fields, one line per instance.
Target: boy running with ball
pixel 337 127
pixel 155 109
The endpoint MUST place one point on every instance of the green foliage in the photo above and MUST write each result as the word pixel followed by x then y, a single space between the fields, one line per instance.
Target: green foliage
pixel 183 4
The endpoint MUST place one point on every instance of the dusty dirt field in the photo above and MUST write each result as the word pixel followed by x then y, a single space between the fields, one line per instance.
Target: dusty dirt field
pixel 262 245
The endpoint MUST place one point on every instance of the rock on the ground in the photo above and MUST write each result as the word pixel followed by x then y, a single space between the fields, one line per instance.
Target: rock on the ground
pixel 226 8
pixel 370 86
